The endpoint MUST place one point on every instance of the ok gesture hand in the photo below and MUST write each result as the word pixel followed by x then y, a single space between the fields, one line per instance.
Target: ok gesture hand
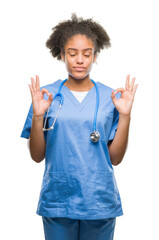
pixel 40 106
pixel 124 104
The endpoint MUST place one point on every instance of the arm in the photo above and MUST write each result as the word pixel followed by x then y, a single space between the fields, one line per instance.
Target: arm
pixel 117 147
pixel 36 141
pixel 37 144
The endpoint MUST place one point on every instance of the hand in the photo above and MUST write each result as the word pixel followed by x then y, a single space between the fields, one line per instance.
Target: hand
pixel 124 104
pixel 40 106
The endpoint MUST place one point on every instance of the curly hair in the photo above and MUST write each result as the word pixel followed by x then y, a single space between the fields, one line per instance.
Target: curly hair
pixel 67 29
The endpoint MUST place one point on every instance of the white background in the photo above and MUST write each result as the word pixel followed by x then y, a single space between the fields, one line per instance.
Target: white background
pixel 133 28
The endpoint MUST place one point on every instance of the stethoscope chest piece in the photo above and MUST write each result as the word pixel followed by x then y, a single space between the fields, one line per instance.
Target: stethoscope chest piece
pixel 95 136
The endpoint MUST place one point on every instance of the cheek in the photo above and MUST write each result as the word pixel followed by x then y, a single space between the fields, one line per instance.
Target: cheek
pixel 89 60
pixel 68 63
pixel 89 64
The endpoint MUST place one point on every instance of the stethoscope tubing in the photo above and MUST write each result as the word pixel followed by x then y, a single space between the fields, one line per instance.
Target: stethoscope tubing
pixel 59 94
pixel 97 106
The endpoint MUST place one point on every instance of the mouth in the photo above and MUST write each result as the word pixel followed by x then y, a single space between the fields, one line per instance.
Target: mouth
pixel 79 69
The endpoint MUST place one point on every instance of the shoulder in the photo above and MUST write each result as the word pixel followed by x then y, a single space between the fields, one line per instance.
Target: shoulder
pixel 106 90
pixel 104 87
pixel 52 87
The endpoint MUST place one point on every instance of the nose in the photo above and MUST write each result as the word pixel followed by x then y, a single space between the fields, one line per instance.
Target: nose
pixel 79 59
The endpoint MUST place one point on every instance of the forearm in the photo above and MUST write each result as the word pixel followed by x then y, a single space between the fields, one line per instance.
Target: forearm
pixel 37 141
pixel 118 146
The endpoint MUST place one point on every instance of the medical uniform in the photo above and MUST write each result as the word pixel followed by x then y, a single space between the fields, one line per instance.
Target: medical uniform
pixel 78 180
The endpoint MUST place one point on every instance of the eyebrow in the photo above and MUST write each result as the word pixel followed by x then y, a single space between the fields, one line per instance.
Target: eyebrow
pixel 77 50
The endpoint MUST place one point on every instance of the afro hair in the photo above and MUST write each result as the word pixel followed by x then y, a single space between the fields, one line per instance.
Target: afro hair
pixel 67 29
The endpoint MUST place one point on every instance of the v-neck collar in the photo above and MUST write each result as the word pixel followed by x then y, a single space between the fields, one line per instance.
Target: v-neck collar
pixel 70 95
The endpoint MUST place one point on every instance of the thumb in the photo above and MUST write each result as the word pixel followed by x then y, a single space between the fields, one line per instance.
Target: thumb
pixel 113 95
pixel 50 98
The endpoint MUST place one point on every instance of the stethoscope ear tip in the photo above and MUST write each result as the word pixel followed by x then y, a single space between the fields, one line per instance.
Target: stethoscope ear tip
pixel 47 129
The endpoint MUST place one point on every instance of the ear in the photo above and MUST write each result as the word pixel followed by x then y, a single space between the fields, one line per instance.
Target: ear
pixel 62 56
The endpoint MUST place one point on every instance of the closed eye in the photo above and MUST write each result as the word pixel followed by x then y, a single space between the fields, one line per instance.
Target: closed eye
pixel 72 55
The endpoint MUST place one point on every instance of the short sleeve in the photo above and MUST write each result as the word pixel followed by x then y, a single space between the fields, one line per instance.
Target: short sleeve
pixel 114 125
pixel 27 125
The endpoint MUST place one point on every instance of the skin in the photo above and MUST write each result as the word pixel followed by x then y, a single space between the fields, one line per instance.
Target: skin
pixel 117 147
pixel 36 141
pixel 79 52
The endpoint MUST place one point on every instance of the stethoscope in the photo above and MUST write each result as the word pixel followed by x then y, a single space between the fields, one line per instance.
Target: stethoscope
pixel 94 136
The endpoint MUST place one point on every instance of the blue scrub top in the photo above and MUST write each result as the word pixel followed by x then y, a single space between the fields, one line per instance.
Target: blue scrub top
pixel 78 180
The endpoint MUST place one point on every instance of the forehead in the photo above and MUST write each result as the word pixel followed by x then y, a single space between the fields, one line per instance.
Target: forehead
pixel 79 42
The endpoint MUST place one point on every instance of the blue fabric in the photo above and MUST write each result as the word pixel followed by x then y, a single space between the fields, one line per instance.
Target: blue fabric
pixel 71 229
pixel 78 180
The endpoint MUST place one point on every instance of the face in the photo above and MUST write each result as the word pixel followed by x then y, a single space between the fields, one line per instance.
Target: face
pixel 79 56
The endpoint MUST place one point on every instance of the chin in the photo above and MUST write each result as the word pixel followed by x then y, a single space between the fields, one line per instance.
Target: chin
pixel 79 76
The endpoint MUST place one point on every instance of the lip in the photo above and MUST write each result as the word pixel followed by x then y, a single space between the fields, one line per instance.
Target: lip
pixel 79 69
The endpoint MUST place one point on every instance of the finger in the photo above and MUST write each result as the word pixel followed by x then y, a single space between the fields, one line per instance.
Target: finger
pixel 44 90
pixel 33 84
pixel 37 83
pixel 31 90
pixel 113 95
pixel 50 99
pixel 119 90
pixel 127 82
pixel 134 90
pixel 132 84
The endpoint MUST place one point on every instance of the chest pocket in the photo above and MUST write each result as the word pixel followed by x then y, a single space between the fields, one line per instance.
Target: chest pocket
pixel 105 190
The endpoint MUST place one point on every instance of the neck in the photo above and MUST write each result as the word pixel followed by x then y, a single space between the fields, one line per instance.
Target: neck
pixel 80 85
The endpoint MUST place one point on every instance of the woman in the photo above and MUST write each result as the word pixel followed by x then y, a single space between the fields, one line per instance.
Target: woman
pixel 82 140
